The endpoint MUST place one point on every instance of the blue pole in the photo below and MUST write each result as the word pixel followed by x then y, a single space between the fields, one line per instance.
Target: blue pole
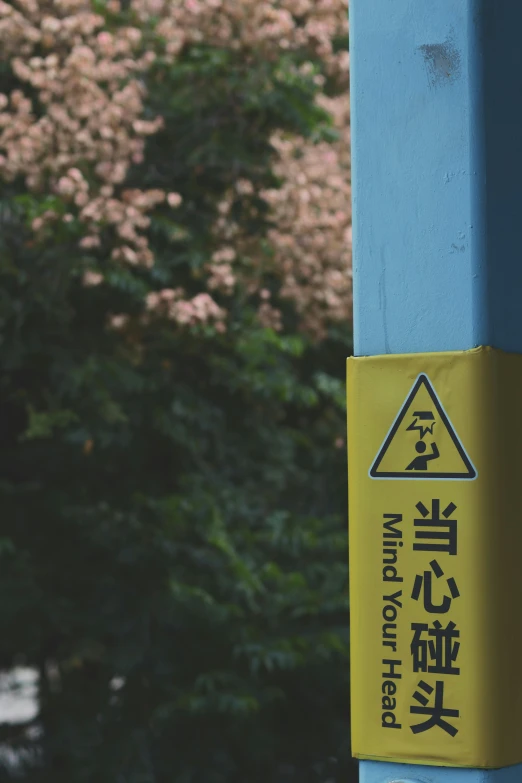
pixel 437 182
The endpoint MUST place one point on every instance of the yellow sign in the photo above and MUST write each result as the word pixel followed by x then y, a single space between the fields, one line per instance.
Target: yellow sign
pixel 435 468
pixel 422 442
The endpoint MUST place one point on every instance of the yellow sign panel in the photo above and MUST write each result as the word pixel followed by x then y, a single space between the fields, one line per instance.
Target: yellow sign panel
pixel 435 467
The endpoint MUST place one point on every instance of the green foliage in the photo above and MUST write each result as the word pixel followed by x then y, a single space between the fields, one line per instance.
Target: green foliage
pixel 172 542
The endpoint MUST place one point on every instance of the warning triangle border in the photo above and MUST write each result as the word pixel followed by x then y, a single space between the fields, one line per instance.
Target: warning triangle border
pixel 471 475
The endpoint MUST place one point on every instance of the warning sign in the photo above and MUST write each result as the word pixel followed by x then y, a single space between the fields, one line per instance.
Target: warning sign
pixel 422 442
pixel 436 566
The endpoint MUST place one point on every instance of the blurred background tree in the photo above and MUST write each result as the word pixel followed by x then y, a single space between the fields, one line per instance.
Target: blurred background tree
pixel 175 303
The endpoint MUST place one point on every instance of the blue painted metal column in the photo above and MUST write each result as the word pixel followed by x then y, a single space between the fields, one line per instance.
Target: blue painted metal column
pixel 437 182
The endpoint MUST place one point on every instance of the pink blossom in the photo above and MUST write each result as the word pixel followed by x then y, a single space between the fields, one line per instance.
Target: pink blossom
pixel 92 278
pixel 174 200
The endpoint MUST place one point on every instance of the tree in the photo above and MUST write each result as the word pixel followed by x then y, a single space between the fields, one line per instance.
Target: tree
pixel 172 545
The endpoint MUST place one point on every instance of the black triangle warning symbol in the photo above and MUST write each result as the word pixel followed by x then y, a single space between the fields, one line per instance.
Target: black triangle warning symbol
pixel 422 443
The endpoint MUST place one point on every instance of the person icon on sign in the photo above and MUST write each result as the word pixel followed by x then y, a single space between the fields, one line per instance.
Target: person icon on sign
pixel 421 462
